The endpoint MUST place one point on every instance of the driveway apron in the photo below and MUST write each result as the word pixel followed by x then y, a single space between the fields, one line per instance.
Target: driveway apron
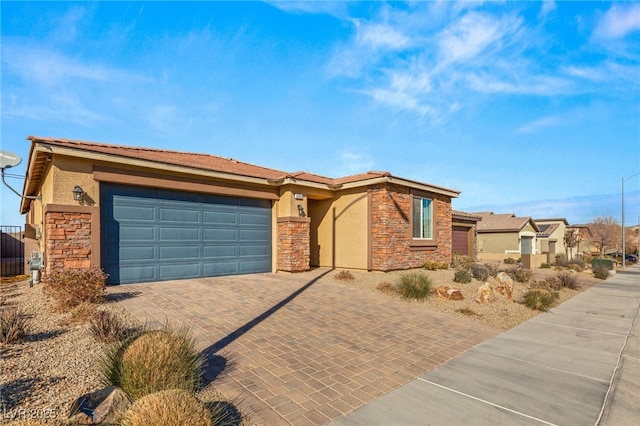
pixel 303 348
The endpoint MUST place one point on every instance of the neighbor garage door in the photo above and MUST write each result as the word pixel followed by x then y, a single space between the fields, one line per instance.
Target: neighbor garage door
pixel 151 234
pixel 460 240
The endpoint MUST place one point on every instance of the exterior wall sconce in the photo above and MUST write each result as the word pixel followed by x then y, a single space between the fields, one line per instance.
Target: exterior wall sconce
pixel 78 194
pixel 301 211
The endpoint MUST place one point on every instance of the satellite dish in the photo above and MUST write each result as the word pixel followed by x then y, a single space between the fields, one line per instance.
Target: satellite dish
pixel 9 159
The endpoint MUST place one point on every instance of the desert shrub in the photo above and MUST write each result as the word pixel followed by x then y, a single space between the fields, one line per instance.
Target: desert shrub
pixel 344 275
pixel 386 287
pixel 82 313
pixel 14 325
pixel 152 361
pixel 561 261
pixel 539 299
pixel 576 265
pixel 510 261
pixel 463 276
pixel 549 283
pixel 479 272
pixel 107 327
pixel 434 266
pixel 601 272
pixel 224 413
pixel 493 269
pixel 461 261
pixel 414 285
pixel 520 274
pixel 167 408
pixel 545 265
pixel 568 279
pixel 71 287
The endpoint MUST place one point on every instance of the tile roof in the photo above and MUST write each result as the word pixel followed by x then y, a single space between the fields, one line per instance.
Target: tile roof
pixel 465 215
pixel 215 163
pixel 547 229
pixel 503 222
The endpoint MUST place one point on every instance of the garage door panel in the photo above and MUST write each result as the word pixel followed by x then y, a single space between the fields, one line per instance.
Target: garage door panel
pixel 213 252
pixel 179 271
pixel 220 217
pixel 178 234
pixel 220 234
pixel 150 234
pixel 141 213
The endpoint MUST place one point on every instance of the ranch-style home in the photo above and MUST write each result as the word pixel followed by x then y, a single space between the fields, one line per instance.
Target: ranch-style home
pixel 506 235
pixel 144 214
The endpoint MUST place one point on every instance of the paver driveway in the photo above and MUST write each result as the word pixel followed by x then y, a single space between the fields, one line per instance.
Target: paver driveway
pixel 305 348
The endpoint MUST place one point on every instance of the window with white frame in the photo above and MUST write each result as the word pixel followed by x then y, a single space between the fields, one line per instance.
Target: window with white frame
pixel 422 218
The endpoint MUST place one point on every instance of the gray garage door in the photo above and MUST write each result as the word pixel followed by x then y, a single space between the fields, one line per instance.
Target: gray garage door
pixel 153 234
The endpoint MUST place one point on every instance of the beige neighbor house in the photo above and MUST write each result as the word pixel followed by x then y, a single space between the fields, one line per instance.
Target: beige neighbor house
pixel 502 236
pixel 146 214
pixel 551 238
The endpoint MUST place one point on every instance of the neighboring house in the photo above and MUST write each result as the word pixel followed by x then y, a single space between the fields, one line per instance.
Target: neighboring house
pixel 145 214
pixel 505 235
pixel 551 238
pixel 463 233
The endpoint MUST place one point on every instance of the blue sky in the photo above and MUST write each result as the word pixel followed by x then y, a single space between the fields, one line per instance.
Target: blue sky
pixel 530 108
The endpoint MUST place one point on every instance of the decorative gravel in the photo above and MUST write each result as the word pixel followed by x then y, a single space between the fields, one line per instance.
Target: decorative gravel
pixel 57 362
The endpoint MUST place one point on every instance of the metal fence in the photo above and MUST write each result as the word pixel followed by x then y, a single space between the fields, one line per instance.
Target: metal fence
pixel 11 251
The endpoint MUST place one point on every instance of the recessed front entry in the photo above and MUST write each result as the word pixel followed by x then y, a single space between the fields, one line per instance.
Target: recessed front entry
pixel 151 234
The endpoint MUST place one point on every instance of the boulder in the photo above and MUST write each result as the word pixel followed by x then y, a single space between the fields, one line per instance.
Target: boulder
pixel 485 293
pixel 505 285
pixel 104 406
pixel 448 293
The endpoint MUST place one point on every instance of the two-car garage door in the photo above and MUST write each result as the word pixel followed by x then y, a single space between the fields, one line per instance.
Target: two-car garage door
pixel 151 234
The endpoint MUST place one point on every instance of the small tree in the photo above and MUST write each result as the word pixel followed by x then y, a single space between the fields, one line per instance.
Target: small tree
pixel 605 233
pixel 571 240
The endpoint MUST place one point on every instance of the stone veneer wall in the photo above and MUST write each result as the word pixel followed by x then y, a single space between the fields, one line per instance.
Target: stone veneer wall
pixel 68 243
pixel 391 234
pixel 293 244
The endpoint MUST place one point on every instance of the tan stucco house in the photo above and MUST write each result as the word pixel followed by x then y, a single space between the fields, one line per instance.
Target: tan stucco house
pixel 505 235
pixel 551 237
pixel 147 214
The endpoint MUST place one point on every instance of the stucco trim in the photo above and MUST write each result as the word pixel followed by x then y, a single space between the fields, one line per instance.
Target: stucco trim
pixel 369 230
pixel 294 219
pixel 94 211
pixel 127 177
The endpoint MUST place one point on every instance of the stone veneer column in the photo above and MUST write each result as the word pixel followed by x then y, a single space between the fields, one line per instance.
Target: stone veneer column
pixel 68 240
pixel 293 244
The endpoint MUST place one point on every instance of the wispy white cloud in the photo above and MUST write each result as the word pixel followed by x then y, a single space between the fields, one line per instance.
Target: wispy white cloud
pixel 380 36
pixel 548 6
pixel 540 125
pixel 618 22
pixel 334 8
pixel 351 162
pixel 59 108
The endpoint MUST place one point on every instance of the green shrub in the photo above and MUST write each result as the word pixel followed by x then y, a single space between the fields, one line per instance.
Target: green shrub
pixel 568 279
pixel 461 261
pixel 545 266
pixel 520 274
pixel 463 276
pixel 479 272
pixel 414 285
pixel 173 407
pixel 14 325
pixel 601 272
pixel 107 327
pixel 434 266
pixel 539 299
pixel 71 287
pixel 153 361
pixel 510 261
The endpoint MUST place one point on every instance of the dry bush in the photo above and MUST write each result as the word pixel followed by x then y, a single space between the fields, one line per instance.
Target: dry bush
pixel 479 272
pixel 173 407
pixel 540 300
pixel 153 361
pixel 601 272
pixel 413 285
pixel 463 276
pixel 107 327
pixel 344 275
pixel 386 287
pixel 461 261
pixel 434 266
pixel 568 279
pixel 14 325
pixel 72 287
pixel 520 274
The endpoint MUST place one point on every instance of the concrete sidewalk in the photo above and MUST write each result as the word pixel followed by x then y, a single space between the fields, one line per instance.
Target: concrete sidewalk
pixel 578 364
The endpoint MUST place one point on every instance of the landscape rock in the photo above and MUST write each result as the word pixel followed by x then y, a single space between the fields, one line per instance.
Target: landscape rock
pixel 104 406
pixel 485 294
pixel 447 293
pixel 505 285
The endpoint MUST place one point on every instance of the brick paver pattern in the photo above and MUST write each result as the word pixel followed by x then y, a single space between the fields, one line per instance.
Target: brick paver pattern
pixel 303 348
